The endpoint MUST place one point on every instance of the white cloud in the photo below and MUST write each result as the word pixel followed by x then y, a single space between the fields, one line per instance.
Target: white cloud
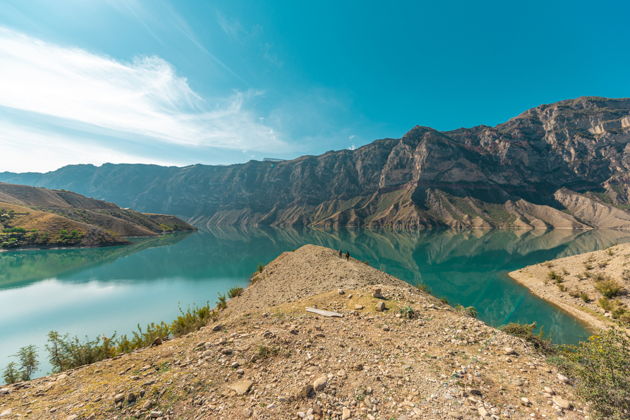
pixel 142 98
pixel 24 148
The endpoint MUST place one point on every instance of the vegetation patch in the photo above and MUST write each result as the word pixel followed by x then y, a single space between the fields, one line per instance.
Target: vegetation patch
pixel 468 311
pixel 526 332
pixel 609 288
pixel 68 352
pixel 600 368
pixel 235 292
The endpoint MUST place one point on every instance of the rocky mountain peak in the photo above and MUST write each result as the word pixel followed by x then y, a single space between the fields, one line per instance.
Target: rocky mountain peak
pixel 505 176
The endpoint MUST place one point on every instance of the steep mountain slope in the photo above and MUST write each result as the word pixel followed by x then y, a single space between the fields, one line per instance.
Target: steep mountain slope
pixel 31 216
pixel 563 165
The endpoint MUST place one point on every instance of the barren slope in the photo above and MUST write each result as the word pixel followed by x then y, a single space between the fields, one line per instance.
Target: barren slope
pixel 575 284
pixel 50 217
pixel 281 362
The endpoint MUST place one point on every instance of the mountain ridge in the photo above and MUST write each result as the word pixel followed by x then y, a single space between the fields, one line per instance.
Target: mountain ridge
pixel 521 174
pixel 39 217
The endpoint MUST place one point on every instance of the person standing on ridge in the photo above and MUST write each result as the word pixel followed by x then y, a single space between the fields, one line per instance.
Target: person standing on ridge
pixel 347 256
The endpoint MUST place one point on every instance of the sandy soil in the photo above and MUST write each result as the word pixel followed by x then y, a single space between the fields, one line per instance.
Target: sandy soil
pixel 572 283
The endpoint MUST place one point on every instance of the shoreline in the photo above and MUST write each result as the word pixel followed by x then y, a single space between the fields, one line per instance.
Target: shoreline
pixel 591 323
pixel 571 284
pixel 128 241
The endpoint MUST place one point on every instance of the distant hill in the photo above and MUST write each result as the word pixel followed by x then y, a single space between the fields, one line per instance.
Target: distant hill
pixel 37 217
pixel 563 165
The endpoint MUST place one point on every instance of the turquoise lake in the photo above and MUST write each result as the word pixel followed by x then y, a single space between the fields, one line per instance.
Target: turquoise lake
pixel 89 292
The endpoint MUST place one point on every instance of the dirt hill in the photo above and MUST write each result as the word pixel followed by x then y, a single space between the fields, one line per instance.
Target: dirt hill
pixel 398 353
pixel 37 217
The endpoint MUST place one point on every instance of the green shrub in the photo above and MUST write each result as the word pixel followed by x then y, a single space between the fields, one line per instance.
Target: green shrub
pixel 423 287
pixel 6 216
pixel 192 320
pixel 609 288
pixel 14 230
pixel 555 277
pixel 11 374
pixel 28 365
pixel 28 362
pixel 600 367
pixel 72 237
pixel 264 352
pixel 469 311
pixel 235 292
pixel 407 312
pixel 605 304
pixel 66 352
pixel 526 332
pixel 580 294
pixel 221 302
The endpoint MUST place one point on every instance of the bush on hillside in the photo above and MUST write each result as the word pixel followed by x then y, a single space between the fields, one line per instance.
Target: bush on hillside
pixel 600 367
pixel 526 332
pixel 609 288
pixel 235 292
pixel 468 311
pixel 67 352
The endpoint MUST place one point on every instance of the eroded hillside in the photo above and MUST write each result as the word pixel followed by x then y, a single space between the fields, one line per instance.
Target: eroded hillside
pixel 563 165
pixel 38 217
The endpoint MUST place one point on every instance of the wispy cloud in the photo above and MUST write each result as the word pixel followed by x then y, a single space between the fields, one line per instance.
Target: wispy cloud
pixel 27 148
pixel 143 98
pixel 153 23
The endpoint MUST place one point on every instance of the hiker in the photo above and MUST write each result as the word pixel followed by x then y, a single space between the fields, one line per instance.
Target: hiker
pixel 340 253
pixel 347 256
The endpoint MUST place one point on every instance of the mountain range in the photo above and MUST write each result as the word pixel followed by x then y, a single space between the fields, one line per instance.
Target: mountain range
pixel 562 165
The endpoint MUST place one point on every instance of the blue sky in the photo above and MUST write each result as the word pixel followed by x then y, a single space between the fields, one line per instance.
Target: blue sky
pixel 228 81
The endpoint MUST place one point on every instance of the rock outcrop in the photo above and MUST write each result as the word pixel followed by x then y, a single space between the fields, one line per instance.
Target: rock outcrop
pixel 564 165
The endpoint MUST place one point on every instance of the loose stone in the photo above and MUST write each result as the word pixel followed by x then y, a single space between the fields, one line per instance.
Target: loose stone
pixel 320 383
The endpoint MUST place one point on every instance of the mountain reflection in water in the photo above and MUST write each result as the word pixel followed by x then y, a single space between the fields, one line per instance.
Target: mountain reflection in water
pixel 102 290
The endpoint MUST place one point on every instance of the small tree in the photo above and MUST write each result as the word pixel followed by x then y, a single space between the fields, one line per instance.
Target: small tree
pixel 28 362
pixel 11 374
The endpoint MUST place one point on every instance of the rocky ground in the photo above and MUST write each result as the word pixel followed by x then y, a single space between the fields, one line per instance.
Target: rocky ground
pixel 574 284
pixel 397 353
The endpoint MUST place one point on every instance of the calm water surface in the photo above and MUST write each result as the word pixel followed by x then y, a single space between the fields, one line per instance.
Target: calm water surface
pixel 106 290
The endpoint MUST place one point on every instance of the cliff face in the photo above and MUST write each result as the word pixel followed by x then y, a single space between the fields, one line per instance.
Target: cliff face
pixel 36 217
pixel 563 165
